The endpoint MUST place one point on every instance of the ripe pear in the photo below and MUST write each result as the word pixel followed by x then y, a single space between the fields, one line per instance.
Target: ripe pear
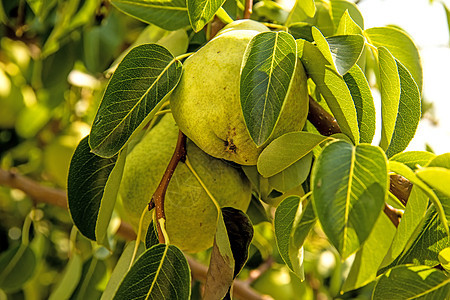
pixel 191 215
pixel 206 102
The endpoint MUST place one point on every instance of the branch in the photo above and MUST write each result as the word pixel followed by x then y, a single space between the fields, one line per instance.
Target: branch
pixel 327 125
pixel 160 193
pixel 248 9
pixel 42 194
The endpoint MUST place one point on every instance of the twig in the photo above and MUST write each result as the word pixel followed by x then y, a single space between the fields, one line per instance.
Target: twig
pixel 160 193
pixel 248 9
pixel 327 125
pixel 52 196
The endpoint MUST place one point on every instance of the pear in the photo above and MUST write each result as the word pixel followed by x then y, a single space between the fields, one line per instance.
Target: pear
pixel 191 216
pixel 206 102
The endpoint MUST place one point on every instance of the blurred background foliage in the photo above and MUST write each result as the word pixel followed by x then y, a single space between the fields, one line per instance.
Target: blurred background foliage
pixel 54 64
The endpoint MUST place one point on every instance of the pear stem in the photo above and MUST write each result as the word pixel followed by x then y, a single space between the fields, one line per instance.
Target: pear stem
pixel 160 193
pixel 327 125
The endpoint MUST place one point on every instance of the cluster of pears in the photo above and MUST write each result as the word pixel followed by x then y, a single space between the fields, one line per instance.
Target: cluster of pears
pixel 206 107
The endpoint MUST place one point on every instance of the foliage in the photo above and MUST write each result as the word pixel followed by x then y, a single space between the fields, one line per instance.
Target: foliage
pixel 326 216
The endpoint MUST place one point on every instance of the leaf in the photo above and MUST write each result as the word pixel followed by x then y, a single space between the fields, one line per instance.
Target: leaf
pixel 121 269
pixel 349 187
pixel 302 10
pixel 331 86
pixel 139 86
pixel 17 266
pixel 403 170
pixel 88 185
pixel 401 46
pixel 292 176
pixel 286 150
pixel 266 76
pixel 301 30
pixel 436 177
pixel 347 25
pixel 69 280
pixel 151 237
pixel 415 211
pixel 94 273
pixel 442 160
pixel 221 267
pixel 413 159
pixel 369 257
pixel 363 100
pixel 444 258
pixel 256 212
pixel 287 211
pixel 409 112
pixel 412 282
pixel 338 9
pixel 426 243
pixel 161 272
pixel 202 11
pixel 167 14
pixel 345 51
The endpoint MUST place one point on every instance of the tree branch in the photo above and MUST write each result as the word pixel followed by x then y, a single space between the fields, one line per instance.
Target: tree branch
pixel 327 125
pixel 248 9
pixel 42 194
pixel 160 193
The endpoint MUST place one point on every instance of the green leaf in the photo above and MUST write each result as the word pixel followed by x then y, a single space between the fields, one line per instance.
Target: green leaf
pixel 369 257
pixel 161 272
pixel 94 273
pixel 292 176
pixel 415 211
pixel 167 14
pixel 409 112
pixel 121 269
pixel 331 86
pixel 221 267
pixel 202 11
pixel 413 159
pixel 287 215
pixel 286 150
pixel 442 160
pixel 401 46
pixel 302 10
pixel 338 9
pixel 363 100
pixel 444 258
pixel 436 177
pixel 347 25
pixel 349 187
pixel 267 71
pixel 139 86
pixel 17 266
pixel 151 237
pixel 302 225
pixel 406 172
pixel 412 282
pixel 345 51
pixel 69 280
pixel 400 104
pixel 88 185
pixel 301 30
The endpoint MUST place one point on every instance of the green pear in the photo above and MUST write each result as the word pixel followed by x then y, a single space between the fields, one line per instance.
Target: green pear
pixel 206 102
pixel 191 215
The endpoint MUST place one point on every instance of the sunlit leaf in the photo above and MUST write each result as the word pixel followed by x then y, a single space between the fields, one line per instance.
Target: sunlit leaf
pixel 167 14
pixel 292 176
pixel 412 282
pixel 347 25
pixel 141 82
pixel 332 87
pixel 349 187
pixel 362 97
pixel 302 10
pixel 436 177
pixel 339 7
pixel 444 258
pixel 202 11
pixel 401 46
pixel 413 159
pixel 161 272
pixel 267 71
